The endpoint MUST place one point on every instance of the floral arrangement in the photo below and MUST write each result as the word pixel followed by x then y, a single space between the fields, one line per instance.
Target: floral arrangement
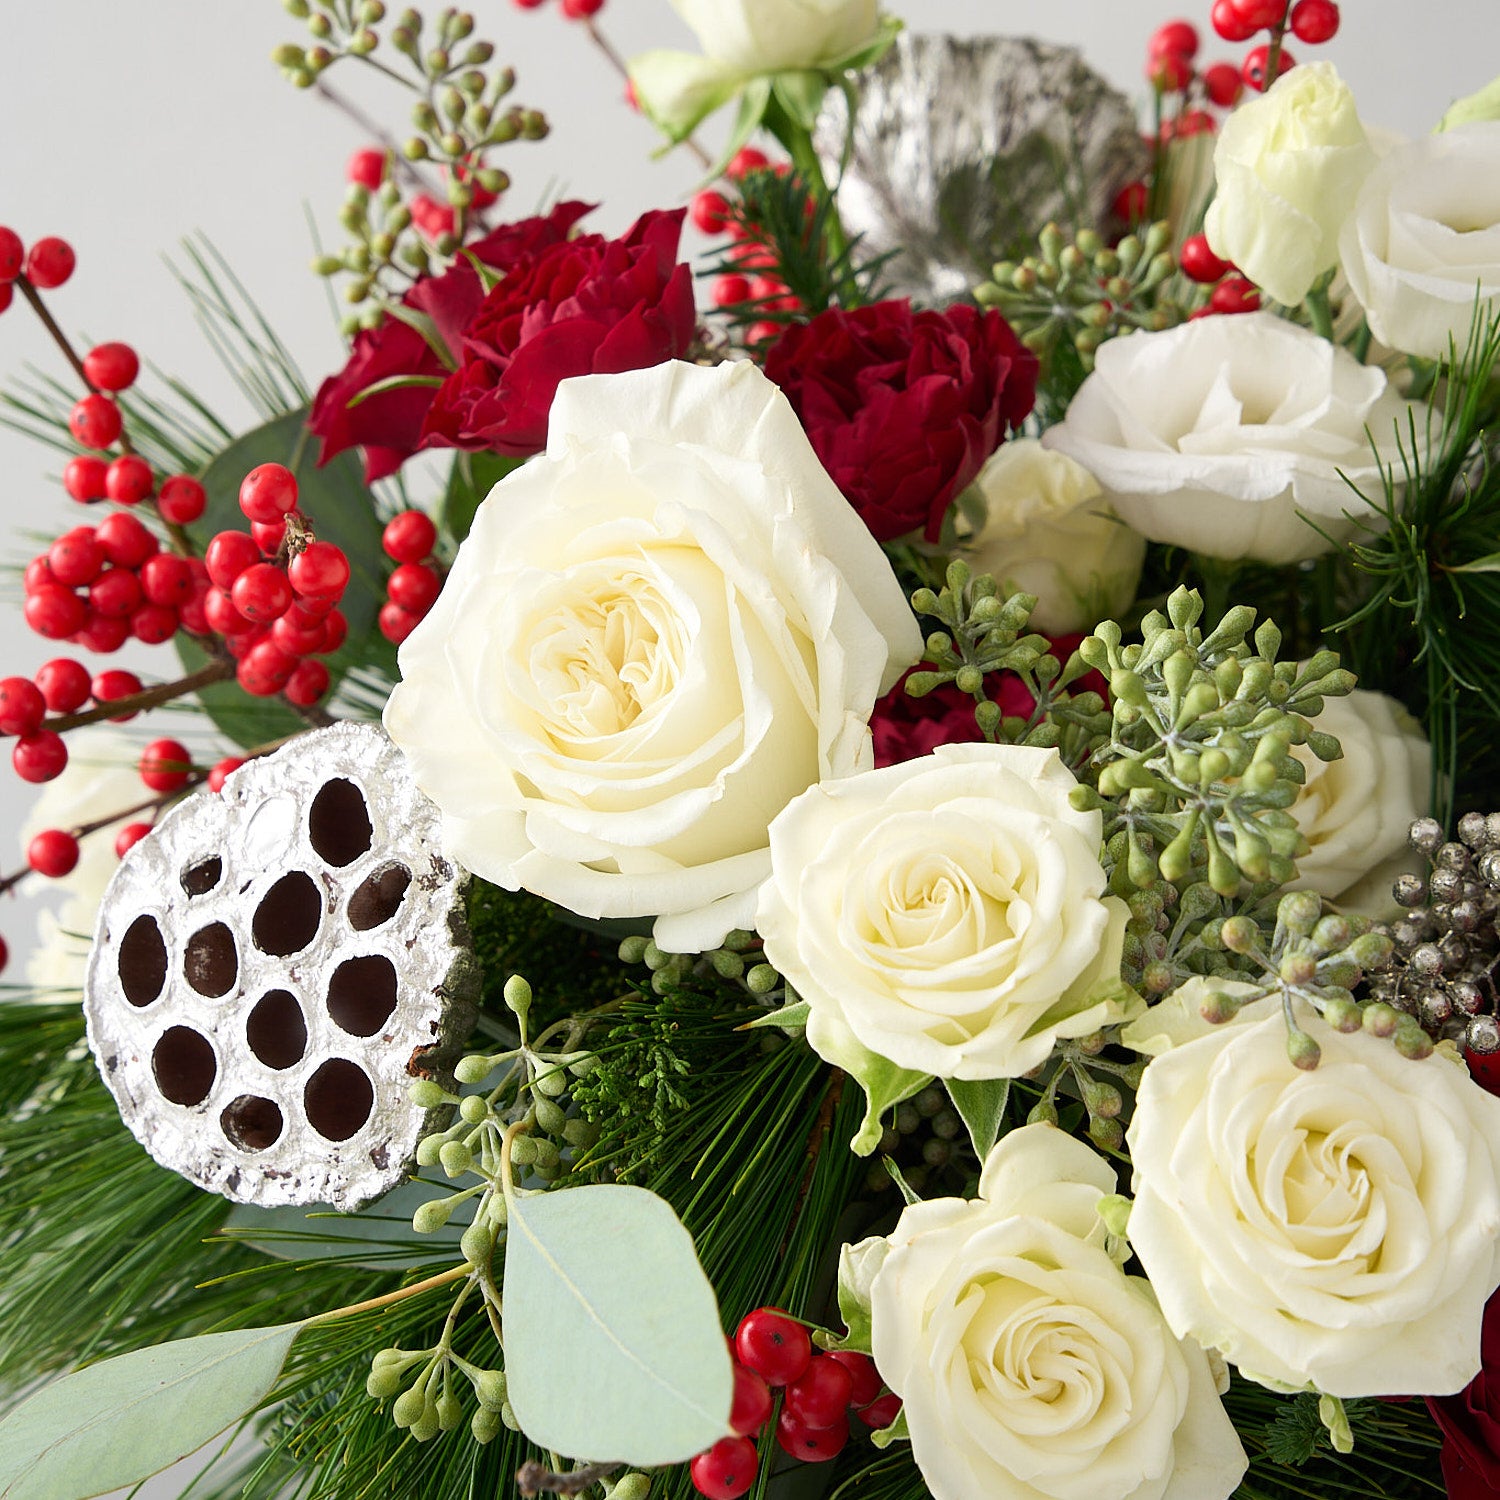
pixel 888 890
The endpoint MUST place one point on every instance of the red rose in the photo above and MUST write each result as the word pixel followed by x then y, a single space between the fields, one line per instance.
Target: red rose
pixel 904 407
pixel 388 426
pixel 1471 1422
pixel 590 306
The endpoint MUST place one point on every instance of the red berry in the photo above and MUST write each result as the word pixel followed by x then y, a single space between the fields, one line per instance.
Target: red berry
pixel 319 569
pixel 710 212
pixel 76 557
pixel 746 159
pixel 181 500
pixel 128 837
pixel 55 612
pixel 751 1407
pixel 881 1413
pixel 409 537
pixel 222 617
pixel 261 593
pixel 53 853
pixel 336 630
pixel 40 756
pixel 308 683
pixel 166 579
pixel 153 624
pixel 83 478
pixel 129 480
pixel 268 492
pixel 397 623
pixel 1180 37
pixel 103 633
pixel 296 638
pixel 727 1470
pixel 191 615
pixel 581 10
pixel 38 572
pixel 1315 21
pixel 1260 13
pixel 95 421
pixel 110 686
pixel 1223 84
pixel 165 765
pixel 820 1395
pixel 773 1345
pixel 1235 295
pixel 1169 72
pixel 116 591
pixel 228 555
pixel 1194 122
pixel 432 218
pixel 1130 202
pixel 864 1379
pixel 268 536
pixel 111 367
pixel 12 254
pixel 50 262
pixel 63 684
pixel 1253 71
pixel 813 1445
pixel 1228 23
pixel 728 290
pixel 7 294
pixel 367 167
pixel 220 771
pixel 267 660
pixel 414 586
pixel 126 542
pixel 21 706
pixel 1198 261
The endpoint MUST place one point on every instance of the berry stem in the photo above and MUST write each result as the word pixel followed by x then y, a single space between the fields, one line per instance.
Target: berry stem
pixel 1273 56
pixel 153 697
pixel 603 43
pixel 371 128
pixel 534 1478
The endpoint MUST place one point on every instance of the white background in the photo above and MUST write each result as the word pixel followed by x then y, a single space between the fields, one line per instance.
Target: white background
pixel 128 124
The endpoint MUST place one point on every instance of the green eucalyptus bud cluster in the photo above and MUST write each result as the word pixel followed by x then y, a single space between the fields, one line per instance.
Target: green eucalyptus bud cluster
pixel 1082 292
pixel 737 958
pixel 429 1404
pixel 1073 1072
pixel 1197 776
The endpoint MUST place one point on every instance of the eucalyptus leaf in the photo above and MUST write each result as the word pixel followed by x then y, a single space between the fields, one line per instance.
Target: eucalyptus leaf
pixel 120 1421
pixel 613 1345
pixel 981 1106
pixel 791 1017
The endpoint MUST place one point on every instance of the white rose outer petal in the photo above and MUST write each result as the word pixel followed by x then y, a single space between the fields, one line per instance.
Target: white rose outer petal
pixel 1339 1227
pixel 1421 251
pixel 655 635
pixel 767 36
pixel 1215 434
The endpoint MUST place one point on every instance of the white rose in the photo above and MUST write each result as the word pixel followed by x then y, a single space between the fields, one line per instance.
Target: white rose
pixel 1339 1227
pixel 946 914
pixel 743 39
pixel 1422 247
pixel 1048 531
pixel 1215 435
pixel 1355 811
pixel 1288 165
pixel 101 778
pixel 656 635
pixel 1029 1364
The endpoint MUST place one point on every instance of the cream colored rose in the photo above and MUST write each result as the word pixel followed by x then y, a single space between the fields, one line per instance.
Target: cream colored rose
pixel 1220 435
pixel 1339 1227
pixel 1355 811
pixel 655 636
pixel 100 778
pixel 1048 531
pixel 1029 1364
pixel 1421 249
pixel 1288 165
pixel 946 914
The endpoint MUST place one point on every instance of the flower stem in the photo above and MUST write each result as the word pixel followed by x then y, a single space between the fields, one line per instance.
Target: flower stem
pixel 443 1278
pixel 799 146
pixel 1320 312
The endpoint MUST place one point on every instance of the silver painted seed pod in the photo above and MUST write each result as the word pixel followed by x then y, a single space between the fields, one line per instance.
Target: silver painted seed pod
pixel 275 964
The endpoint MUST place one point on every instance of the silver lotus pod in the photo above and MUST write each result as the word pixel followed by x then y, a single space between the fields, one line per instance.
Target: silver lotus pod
pixel 963 148
pixel 274 965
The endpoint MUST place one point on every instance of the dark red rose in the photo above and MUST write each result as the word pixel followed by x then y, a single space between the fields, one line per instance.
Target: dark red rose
pixel 1471 1422
pixel 590 306
pixel 388 426
pixel 904 407
pixel 905 727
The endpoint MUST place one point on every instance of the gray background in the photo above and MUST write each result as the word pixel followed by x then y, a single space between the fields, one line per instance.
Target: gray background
pixel 127 125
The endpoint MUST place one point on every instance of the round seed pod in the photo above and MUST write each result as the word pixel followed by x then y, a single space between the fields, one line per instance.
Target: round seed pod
pixel 273 967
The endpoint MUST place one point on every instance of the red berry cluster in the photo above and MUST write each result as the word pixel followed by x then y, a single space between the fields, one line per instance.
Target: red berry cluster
pixel 574 10
pixel 751 288
pixel 1232 293
pixel 1170 59
pixel 274 593
pixel 770 1351
pixel 48 263
pixel 413 587
pixel 1310 21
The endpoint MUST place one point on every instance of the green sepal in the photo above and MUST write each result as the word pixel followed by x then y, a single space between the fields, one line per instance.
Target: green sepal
pixel 981 1106
pixel 801 93
pixel 791 1017
pixel 895 1433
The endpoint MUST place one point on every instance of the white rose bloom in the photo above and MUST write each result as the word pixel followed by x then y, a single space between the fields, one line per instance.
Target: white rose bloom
pixel 946 914
pixel 1339 1227
pixel 99 779
pixel 1048 531
pixel 655 636
pixel 1355 811
pixel 1422 247
pixel 1030 1365
pixel 1215 435
pixel 1288 165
